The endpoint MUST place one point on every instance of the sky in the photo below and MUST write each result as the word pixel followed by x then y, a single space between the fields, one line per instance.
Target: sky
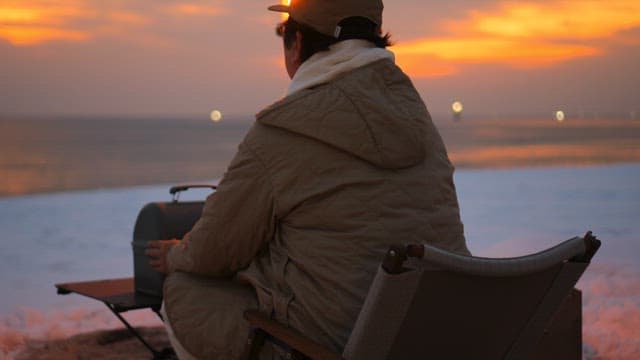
pixel 176 58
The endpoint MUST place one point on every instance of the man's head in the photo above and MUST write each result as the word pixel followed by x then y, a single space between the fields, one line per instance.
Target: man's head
pixel 325 16
pixel 314 25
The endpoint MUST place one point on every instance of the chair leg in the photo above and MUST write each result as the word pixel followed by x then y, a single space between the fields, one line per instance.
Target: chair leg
pixel 254 344
pixel 256 340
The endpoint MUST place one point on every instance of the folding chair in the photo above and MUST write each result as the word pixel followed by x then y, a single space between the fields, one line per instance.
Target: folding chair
pixel 428 303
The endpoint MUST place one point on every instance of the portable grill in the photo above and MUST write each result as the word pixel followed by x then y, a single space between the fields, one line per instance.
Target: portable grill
pixel 161 221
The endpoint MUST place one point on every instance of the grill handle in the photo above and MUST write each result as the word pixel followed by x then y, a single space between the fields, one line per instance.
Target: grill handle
pixel 176 190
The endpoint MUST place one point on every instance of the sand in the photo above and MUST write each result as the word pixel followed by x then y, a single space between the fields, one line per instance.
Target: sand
pixel 103 344
pixel 611 314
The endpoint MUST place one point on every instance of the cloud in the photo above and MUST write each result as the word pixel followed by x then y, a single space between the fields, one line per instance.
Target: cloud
pixel 571 20
pixel 523 34
pixel 33 35
pixel 193 9
pixel 35 22
pixel 479 49
pixel 127 17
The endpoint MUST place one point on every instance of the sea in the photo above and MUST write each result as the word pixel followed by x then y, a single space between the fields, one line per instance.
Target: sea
pixel 72 188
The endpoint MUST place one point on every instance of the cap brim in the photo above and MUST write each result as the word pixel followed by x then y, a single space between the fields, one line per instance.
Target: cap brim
pixel 279 8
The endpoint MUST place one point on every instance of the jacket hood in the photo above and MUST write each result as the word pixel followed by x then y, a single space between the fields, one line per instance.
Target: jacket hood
pixel 373 113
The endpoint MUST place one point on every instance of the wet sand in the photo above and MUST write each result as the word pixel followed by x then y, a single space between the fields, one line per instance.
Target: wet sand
pixel 99 345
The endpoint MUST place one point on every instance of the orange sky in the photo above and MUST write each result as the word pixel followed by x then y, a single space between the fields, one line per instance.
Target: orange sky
pixel 523 34
pixel 228 45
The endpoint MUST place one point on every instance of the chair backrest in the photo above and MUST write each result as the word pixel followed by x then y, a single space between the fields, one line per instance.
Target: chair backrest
pixel 426 302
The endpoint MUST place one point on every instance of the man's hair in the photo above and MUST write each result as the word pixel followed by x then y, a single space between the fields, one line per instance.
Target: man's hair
pixel 313 41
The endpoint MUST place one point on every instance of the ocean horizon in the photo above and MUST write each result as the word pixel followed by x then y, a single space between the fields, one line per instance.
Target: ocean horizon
pixel 42 155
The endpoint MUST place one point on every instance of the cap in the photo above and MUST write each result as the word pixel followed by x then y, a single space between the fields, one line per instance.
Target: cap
pixel 325 15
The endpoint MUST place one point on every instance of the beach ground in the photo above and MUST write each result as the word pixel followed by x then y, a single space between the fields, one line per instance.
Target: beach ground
pixel 606 198
pixel 98 345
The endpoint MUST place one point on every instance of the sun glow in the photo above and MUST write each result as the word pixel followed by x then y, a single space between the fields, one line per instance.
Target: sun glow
pixel 31 24
pixel 13 15
pixel 196 9
pixel 285 16
pixel 574 20
pixel 40 14
pixel 527 34
pixel 35 35
pixel 34 22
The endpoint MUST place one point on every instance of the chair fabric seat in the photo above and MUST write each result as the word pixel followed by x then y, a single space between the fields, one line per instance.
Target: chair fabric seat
pixel 428 303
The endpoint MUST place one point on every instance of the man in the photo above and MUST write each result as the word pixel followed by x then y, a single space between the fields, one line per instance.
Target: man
pixel 347 164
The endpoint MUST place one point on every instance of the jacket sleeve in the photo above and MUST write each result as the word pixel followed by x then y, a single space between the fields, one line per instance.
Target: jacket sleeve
pixel 236 222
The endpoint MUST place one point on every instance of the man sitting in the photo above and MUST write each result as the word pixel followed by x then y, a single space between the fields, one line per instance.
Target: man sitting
pixel 347 164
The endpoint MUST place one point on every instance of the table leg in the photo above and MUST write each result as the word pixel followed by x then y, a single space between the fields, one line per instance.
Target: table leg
pixel 167 353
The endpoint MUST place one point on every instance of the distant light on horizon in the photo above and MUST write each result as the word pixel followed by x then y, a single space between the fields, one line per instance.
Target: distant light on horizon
pixel 560 116
pixel 457 107
pixel 215 116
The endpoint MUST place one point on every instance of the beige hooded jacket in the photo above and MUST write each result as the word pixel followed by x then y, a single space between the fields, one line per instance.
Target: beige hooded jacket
pixel 324 182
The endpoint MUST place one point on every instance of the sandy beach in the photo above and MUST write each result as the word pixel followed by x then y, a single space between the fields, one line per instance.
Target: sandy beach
pixel 522 185
pixel 101 344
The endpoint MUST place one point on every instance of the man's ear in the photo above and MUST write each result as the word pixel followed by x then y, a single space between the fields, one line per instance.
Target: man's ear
pixel 293 55
pixel 298 49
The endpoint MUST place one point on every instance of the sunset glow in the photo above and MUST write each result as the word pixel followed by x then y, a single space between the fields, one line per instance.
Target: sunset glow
pixel 39 13
pixel 285 16
pixel 570 19
pixel 500 50
pixel 128 17
pixel 33 35
pixel 144 54
pixel 196 9
pixel 34 22
pixel 37 22
pixel 558 154
pixel 521 35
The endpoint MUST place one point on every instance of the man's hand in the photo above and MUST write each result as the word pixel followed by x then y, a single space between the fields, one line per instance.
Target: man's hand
pixel 157 252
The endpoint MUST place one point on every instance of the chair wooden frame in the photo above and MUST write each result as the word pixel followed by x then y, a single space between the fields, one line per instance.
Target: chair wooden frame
pixel 553 330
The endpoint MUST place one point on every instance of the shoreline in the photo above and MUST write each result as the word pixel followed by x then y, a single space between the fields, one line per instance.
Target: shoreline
pixel 480 166
pixel 86 236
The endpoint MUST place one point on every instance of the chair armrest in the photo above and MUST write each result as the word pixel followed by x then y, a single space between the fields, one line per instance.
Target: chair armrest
pixel 289 336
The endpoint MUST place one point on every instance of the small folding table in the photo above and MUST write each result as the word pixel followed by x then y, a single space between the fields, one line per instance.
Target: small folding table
pixel 119 296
